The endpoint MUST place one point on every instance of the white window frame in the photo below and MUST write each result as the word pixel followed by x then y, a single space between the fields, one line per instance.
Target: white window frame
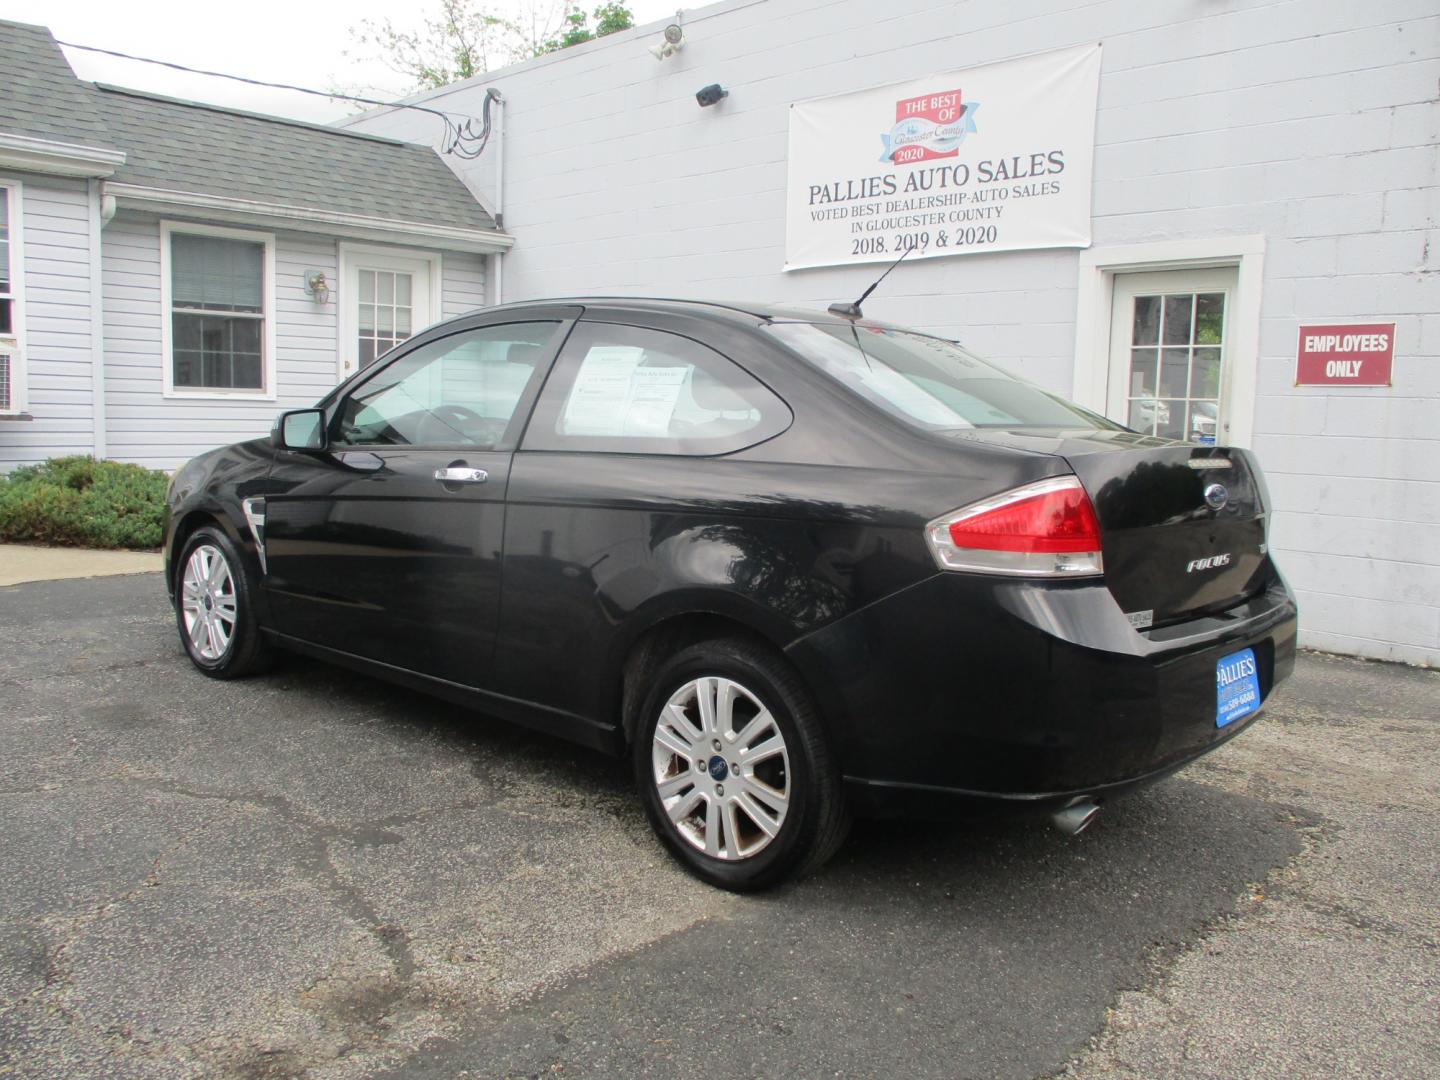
pixel 1096 295
pixel 346 255
pixel 19 381
pixel 267 303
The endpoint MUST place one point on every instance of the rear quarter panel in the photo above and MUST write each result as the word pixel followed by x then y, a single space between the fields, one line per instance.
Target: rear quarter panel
pixel 600 548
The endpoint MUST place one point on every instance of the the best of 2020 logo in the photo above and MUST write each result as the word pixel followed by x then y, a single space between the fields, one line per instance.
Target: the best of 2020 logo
pixel 928 127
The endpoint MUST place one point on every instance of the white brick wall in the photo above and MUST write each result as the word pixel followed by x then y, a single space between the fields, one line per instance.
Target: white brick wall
pixel 1312 122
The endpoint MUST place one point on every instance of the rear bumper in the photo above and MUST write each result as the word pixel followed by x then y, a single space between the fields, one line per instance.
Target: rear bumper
pixel 966 693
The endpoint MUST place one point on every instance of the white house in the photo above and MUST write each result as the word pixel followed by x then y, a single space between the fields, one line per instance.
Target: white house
pixel 173 274
pixel 1281 156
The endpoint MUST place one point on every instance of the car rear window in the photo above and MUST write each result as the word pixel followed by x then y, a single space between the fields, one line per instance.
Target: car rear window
pixel 927 381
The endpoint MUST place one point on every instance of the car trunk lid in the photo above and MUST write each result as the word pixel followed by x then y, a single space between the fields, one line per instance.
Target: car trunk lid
pixel 1182 527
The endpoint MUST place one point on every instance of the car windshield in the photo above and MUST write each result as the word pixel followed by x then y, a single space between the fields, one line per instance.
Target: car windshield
pixel 929 382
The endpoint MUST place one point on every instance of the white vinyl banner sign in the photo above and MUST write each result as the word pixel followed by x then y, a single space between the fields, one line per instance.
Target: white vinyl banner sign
pixel 995 158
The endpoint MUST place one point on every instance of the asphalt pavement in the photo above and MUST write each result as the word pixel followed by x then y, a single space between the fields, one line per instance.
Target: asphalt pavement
pixel 312 873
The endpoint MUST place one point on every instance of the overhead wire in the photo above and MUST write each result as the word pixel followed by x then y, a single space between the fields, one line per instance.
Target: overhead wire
pixel 462 137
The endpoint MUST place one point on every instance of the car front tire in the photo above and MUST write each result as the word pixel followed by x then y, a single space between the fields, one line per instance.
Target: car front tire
pixel 214 608
pixel 734 769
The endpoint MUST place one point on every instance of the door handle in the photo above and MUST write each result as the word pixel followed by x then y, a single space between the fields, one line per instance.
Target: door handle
pixel 455 474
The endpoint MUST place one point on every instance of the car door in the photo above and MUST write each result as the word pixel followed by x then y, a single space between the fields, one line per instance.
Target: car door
pixel 386 545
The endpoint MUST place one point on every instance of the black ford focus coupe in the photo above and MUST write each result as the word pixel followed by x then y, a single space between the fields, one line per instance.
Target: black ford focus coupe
pixel 797 565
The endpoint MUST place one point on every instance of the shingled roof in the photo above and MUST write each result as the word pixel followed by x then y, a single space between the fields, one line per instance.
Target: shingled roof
pixel 40 97
pixel 187 146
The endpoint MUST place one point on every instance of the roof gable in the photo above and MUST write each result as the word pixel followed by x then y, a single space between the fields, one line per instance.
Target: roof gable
pixel 41 97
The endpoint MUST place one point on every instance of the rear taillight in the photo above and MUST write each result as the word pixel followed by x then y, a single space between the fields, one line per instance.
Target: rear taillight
pixel 1045 529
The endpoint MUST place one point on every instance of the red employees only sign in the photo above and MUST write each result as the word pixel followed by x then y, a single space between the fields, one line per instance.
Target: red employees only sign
pixel 1349 354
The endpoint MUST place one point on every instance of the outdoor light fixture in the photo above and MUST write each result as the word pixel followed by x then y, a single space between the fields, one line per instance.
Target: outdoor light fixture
pixel 316 286
pixel 710 95
pixel 674 38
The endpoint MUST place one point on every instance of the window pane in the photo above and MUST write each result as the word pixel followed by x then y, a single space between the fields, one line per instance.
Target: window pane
pixel 1204 417
pixel 1205 375
pixel 1170 420
pixel 627 389
pixel 1142 372
pixel 402 289
pixel 385 288
pixel 216 273
pixel 1145 414
pixel 1147 321
pixel 1174 372
pixel 1177 319
pixel 459 390
pixel 6 326
pixel 926 381
pixel 1209 318
pixel 367 286
pixel 4 241
pixel 217 352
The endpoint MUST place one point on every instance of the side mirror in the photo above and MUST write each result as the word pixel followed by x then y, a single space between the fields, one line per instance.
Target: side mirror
pixel 299 429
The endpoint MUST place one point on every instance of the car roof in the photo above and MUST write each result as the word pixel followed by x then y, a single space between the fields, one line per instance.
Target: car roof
pixel 704 308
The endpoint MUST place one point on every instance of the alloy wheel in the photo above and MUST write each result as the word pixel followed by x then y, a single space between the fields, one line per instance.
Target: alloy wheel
pixel 721 767
pixel 208 602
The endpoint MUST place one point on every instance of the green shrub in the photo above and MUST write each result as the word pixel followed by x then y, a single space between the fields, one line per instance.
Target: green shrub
pixel 85 503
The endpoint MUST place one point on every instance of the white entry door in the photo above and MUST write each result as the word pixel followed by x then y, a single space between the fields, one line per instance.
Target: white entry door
pixel 386 298
pixel 1169 353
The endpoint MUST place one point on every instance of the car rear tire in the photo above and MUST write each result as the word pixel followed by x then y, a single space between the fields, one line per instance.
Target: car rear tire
pixel 214 608
pixel 734 768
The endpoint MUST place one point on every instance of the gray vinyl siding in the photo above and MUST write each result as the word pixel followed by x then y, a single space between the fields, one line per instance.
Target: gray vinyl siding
pixel 146 427
pixel 55 278
pixel 463 283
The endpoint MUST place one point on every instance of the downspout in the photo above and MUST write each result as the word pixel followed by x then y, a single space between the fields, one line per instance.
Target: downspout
pixel 98 217
pixel 497 261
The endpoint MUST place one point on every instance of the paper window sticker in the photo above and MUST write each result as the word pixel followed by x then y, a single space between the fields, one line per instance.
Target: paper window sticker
pixel 654 392
pixel 597 401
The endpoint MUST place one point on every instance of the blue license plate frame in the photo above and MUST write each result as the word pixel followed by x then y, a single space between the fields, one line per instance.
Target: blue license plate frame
pixel 1237 687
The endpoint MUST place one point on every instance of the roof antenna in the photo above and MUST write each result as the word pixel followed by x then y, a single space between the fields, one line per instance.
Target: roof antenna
pixel 852 311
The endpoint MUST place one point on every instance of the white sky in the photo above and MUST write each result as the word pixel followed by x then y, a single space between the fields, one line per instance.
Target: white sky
pixel 302 42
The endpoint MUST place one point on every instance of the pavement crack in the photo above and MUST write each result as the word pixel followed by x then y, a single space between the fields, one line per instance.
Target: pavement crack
pixel 19 682
pixel 57 977
pixel 367 1005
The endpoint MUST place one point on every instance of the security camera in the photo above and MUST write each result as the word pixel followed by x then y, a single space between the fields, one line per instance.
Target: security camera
pixel 710 95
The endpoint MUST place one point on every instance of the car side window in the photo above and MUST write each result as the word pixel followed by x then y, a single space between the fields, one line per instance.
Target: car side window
pixel 459 390
pixel 634 390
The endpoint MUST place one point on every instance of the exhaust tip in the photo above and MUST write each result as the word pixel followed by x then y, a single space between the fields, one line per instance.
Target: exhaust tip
pixel 1073 818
